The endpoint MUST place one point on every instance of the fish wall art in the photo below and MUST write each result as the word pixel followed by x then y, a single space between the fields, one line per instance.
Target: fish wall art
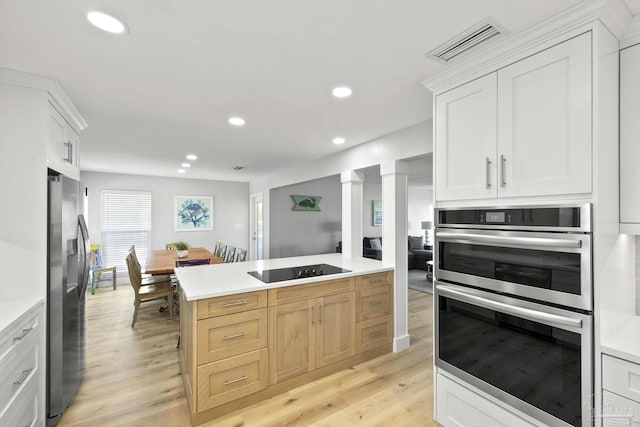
pixel 306 203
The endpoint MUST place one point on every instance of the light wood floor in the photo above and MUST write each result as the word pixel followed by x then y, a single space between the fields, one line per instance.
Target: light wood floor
pixel 132 377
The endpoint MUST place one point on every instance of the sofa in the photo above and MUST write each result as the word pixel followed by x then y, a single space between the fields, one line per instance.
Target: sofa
pixel 417 256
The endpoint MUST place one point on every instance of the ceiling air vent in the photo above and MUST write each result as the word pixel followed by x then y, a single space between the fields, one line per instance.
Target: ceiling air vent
pixel 481 32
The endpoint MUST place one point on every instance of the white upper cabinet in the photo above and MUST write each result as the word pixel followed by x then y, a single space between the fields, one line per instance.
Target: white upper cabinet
pixel 63 144
pixel 630 139
pixel 544 122
pixel 524 130
pixel 466 141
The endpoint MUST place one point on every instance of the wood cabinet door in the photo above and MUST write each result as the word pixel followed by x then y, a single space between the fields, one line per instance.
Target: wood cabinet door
pixel 336 339
pixel 544 122
pixel 465 141
pixel 629 134
pixel 292 340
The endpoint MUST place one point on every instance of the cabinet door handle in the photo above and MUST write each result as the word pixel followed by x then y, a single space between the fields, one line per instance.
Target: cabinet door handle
pixel 23 377
pixel 376 334
pixel 488 172
pixel 70 152
pixel 378 280
pixel 25 332
pixel 242 378
pixel 232 304
pixel 241 334
pixel 312 315
pixel 320 320
pixel 374 303
pixel 503 171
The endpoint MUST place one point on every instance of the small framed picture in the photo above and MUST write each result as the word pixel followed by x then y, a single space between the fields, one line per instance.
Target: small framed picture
pixel 193 213
pixel 376 210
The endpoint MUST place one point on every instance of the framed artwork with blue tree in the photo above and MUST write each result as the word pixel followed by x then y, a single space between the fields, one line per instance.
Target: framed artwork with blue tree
pixel 193 213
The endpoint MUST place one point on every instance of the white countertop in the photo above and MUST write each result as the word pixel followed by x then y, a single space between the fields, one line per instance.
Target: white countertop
pixel 12 310
pixel 625 343
pixel 206 281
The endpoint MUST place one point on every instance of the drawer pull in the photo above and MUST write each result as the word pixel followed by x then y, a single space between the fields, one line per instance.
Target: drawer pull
pixel 374 303
pixel 23 377
pixel 241 334
pixel 378 280
pixel 25 332
pixel 242 378
pixel 376 334
pixel 232 304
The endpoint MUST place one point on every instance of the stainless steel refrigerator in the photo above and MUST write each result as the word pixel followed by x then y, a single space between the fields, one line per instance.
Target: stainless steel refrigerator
pixel 68 258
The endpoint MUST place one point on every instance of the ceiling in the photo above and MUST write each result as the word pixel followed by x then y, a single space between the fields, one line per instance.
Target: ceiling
pixel 167 87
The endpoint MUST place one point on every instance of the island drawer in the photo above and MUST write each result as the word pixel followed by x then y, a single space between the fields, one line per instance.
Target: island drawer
pixel 373 333
pixel 373 300
pixel 231 335
pixel 621 377
pixel 219 306
pixel 375 279
pixel 229 379
pixel 313 290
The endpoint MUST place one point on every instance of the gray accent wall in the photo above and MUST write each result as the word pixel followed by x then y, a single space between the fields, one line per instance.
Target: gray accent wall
pixel 296 233
pixel 230 207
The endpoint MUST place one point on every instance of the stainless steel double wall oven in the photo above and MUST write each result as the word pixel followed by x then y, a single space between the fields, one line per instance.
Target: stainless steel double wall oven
pixel 514 306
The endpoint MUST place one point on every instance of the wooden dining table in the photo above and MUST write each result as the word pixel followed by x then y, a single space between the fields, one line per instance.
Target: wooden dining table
pixel 163 261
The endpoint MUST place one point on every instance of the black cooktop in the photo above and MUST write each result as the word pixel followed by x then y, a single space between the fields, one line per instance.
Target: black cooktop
pixel 301 272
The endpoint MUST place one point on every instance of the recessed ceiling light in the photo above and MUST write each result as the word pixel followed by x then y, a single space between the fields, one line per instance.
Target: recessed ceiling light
pixel 236 121
pixel 186 165
pixel 191 157
pixel 339 140
pixel 107 22
pixel 342 92
pixel 182 171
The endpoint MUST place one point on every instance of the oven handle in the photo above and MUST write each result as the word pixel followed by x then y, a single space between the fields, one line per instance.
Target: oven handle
pixel 509 240
pixel 526 313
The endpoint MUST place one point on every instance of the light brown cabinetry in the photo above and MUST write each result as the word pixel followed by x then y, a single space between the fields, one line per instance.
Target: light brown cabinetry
pixel 223 352
pixel 239 349
pixel 374 326
pixel 309 334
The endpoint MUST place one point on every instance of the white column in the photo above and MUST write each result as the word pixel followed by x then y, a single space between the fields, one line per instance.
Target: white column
pixel 394 243
pixel 351 213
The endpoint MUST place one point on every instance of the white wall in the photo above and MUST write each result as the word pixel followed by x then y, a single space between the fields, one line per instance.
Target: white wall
pixel 420 208
pixel 403 144
pixel 371 191
pixel 296 233
pixel 230 207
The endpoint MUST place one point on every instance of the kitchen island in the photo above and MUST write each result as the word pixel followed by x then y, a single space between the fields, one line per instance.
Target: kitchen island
pixel 243 340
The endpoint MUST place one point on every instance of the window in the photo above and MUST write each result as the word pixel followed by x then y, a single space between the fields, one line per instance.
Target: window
pixel 126 221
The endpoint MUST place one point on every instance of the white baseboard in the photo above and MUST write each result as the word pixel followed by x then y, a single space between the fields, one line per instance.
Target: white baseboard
pixel 401 343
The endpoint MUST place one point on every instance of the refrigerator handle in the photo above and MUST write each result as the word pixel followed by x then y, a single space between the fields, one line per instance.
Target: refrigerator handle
pixel 86 253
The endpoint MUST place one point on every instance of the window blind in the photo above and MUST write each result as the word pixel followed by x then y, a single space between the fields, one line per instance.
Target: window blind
pixel 126 221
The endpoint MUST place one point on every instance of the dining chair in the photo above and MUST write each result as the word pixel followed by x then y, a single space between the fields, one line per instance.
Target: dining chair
pixel 97 268
pixel 190 262
pixel 241 255
pixel 158 290
pixel 220 250
pixel 229 254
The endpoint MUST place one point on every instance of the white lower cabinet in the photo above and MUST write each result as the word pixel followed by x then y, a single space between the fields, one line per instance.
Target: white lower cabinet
pixel 459 406
pixel 21 370
pixel 621 392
